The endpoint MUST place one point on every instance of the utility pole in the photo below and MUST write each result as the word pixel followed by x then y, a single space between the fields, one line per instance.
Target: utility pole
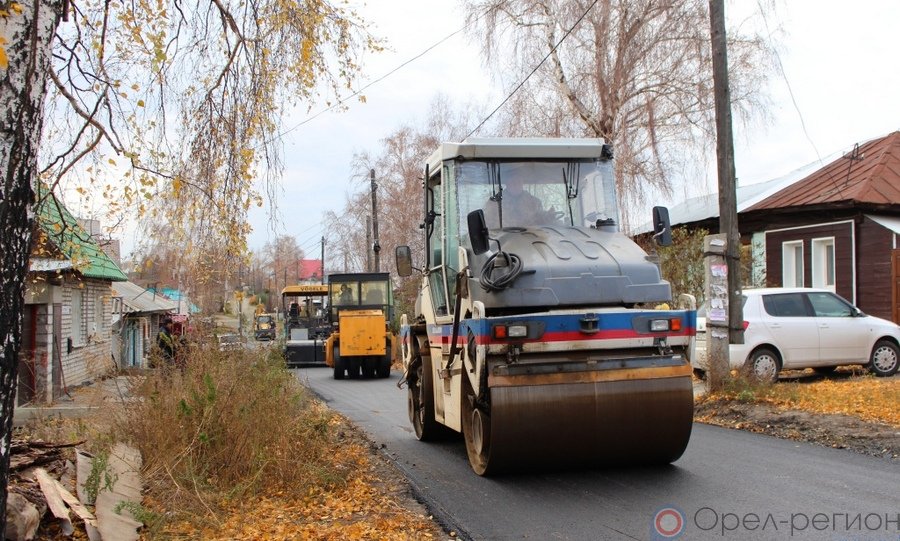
pixel 376 247
pixel 368 243
pixel 728 222
pixel 322 262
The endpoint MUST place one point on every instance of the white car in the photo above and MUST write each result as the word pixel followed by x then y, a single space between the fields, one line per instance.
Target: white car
pixel 796 328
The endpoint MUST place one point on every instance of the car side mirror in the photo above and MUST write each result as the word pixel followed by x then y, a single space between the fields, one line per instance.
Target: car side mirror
pixel 478 231
pixel 662 229
pixel 403 258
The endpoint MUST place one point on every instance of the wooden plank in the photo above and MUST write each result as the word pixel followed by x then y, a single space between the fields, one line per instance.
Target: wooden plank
pixel 73 502
pixel 54 500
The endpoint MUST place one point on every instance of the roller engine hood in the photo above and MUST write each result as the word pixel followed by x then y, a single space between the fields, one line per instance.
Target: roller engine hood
pixel 567 267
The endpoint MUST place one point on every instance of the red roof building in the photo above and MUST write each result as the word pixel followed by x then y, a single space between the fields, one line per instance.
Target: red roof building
pixel 837 228
pixel 309 269
pixel 867 175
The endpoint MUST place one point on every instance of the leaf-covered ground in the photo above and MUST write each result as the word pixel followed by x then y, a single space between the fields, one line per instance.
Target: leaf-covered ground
pixel 376 504
pixel 843 410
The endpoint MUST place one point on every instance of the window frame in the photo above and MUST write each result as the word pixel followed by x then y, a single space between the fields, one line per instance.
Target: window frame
pixel 78 317
pixel 790 247
pixel 820 264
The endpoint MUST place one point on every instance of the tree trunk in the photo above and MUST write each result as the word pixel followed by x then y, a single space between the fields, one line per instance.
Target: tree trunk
pixel 27 38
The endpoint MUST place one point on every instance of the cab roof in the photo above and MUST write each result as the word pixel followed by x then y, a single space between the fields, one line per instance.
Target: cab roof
pixel 305 290
pixel 517 147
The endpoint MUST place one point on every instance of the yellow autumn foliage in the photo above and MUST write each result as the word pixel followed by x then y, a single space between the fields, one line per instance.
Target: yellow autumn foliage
pixel 866 397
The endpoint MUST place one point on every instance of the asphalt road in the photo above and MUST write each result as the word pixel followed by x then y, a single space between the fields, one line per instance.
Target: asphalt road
pixel 729 484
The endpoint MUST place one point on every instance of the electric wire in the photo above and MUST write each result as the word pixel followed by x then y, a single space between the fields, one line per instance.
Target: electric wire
pixel 343 100
pixel 790 90
pixel 532 72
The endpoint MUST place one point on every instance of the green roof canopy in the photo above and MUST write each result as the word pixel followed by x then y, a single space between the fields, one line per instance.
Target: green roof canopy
pixel 72 240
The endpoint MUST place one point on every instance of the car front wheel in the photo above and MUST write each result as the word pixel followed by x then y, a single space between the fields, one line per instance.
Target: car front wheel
pixel 885 359
pixel 764 365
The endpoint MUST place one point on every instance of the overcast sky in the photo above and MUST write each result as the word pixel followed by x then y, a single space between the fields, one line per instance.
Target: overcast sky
pixel 840 62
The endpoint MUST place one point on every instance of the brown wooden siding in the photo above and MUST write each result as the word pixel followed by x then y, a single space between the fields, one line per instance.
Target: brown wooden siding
pixel 843 254
pixel 873 263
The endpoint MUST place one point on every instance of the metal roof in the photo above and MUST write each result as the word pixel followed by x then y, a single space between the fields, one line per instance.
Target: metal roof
pixel 137 299
pixel 305 290
pixel 867 174
pixel 517 147
pixel 72 240
pixel 44 264
pixel 703 207
pixel 889 222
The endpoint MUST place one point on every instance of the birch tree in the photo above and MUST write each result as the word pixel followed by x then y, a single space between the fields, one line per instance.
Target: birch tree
pixel 167 109
pixel 399 167
pixel 636 73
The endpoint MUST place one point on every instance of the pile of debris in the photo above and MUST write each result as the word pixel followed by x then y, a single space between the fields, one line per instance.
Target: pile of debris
pixel 42 478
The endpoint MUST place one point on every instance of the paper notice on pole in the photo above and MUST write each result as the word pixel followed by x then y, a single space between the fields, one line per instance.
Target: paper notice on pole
pixel 718 271
pixel 717 314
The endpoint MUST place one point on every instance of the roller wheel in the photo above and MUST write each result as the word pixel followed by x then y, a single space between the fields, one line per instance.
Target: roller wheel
pixel 340 365
pixel 420 403
pixel 476 425
pixel 354 367
pixel 884 360
pixel 368 367
pixel 384 367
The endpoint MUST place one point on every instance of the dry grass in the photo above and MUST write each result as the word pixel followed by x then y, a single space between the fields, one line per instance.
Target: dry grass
pixel 229 426
pixel 234 448
pixel 863 396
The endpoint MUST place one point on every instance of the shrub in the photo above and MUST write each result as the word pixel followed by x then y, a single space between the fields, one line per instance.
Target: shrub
pixel 228 425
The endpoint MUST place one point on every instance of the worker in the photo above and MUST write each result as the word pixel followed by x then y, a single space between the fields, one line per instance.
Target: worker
pixel 346 294
pixel 165 341
pixel 518 207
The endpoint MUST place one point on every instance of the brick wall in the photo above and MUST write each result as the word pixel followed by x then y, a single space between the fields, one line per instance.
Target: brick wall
pixel 86 351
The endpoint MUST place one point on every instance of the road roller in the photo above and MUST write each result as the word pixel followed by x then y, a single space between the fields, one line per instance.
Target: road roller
pixel 541 332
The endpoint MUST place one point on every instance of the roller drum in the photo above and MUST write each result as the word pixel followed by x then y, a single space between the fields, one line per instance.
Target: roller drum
pixel 580 424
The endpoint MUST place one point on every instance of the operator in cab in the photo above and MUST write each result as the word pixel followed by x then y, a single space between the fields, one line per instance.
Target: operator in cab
pixel 515 205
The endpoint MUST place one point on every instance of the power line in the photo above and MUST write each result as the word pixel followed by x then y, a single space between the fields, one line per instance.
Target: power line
pixel 541 63
pixel 341 101
pixel 788 83
pixel 790 90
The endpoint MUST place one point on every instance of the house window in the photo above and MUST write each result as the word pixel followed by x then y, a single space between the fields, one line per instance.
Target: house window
pixel 78 320
pixel 98 313
pixel 823 263
pixel 792 264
